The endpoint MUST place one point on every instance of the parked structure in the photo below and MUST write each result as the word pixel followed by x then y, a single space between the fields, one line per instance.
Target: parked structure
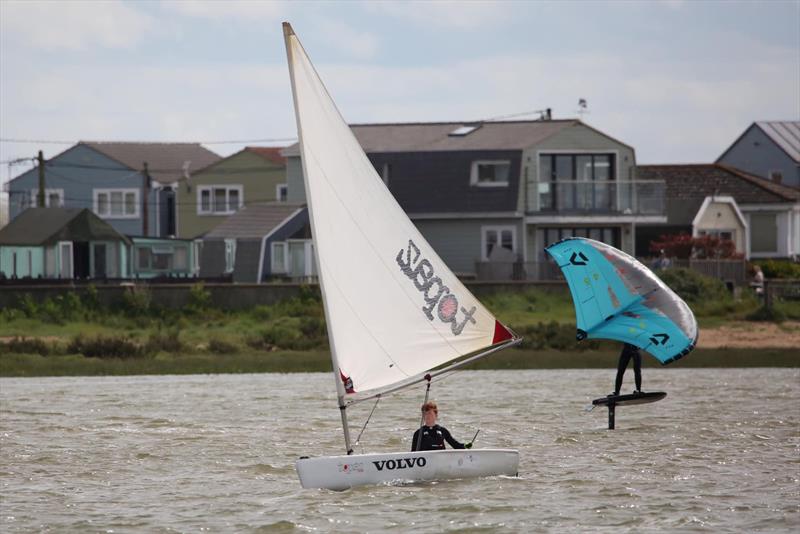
pixel 111 180
pixel 490 196
pixel 260 242
pixel 768 149
pixel 62 243
pixel 209 196
pixel 761 217
pixel 155 257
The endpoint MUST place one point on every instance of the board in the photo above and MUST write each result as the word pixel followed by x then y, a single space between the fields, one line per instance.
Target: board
pixel 628 400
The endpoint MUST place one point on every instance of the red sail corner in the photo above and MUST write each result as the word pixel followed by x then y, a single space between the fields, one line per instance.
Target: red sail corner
pixel 501 333
pixel 347 382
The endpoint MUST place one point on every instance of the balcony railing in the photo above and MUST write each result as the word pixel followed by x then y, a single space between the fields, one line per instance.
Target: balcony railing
pixel 622 197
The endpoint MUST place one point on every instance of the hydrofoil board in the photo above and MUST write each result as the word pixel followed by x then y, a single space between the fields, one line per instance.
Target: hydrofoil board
pixel 630 399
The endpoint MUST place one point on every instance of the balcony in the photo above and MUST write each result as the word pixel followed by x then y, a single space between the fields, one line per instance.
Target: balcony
pixel 597 197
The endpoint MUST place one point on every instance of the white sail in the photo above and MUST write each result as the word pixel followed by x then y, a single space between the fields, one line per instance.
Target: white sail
pixel 393 308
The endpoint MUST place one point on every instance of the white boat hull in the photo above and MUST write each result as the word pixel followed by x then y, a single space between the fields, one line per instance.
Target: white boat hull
pixel 343 472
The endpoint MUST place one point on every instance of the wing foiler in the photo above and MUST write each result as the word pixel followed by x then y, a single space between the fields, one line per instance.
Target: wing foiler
pixel 616 297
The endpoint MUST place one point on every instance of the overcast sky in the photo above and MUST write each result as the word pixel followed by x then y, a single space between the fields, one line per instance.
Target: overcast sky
pixel 677 80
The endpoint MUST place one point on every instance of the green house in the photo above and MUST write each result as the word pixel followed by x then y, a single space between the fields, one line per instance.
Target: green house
pixel 164 257
pixel 208 197
pixel 62 243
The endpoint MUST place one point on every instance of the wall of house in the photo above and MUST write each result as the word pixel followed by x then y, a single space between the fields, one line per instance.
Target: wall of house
pixel 212 258
pixel 257 176
pixel 757 154
pixel 78 172
pixel 29 261
pixel 248 253
pixel 577 139
pixel 294 179
pixel 722 216
pixel 458 241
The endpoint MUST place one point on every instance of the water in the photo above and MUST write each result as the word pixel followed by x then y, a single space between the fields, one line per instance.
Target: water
pixel 720 453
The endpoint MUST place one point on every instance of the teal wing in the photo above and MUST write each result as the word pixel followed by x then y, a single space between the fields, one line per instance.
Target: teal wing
pixel 616 297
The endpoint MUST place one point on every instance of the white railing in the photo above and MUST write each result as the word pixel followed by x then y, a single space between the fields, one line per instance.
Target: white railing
pixel 634 197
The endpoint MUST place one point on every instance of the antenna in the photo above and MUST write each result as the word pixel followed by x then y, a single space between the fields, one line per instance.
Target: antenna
pixel 582 107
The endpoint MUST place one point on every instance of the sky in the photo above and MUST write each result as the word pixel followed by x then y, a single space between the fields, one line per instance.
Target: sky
pixel 677 80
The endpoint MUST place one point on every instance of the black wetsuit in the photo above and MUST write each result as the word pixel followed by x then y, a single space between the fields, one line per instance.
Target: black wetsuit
pixel 629 351
pixel 433 438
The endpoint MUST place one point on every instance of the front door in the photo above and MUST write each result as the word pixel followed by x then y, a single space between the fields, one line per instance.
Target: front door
pixel 99 258
pixel 65 253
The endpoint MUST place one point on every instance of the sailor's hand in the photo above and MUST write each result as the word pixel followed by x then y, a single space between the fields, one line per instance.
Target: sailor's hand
pixel 468 446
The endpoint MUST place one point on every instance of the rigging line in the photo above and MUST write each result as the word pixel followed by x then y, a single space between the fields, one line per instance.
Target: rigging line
pixel 367 421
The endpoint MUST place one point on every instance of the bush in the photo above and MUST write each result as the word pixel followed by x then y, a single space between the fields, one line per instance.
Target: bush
pixel 219 346
pixel 137 301
pixel 767 314
pixel 169 341
pixel 695 288
pixel 554 336
pixel 779 269
pixel 199 299
pixel 107 347
pixel 23 345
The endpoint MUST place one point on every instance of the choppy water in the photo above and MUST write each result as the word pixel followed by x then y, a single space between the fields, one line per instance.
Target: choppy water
pixel 216 453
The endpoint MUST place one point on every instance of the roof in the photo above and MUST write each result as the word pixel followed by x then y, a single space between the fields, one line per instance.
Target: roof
pixel 44 226
pixel 272 153
pixel 435 136
pixel 688 185
pixel 785 134
pixel 165 161
pixel 254 221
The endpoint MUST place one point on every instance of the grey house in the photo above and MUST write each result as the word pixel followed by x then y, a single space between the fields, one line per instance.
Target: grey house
pixel 490 196
pixel 110 179
pixel 761 217
pixel 769 149
pixel 260 242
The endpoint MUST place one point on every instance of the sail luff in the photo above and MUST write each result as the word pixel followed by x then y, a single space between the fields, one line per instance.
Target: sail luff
pixel 288 33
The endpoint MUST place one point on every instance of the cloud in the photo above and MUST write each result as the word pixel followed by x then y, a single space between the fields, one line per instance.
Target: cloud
pixel 456 14
pixel 75 25
pixel 340 36
pixel 242 10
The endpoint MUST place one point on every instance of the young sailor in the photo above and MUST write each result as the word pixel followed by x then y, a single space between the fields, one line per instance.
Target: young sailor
pixel 629 351
pixel 433 435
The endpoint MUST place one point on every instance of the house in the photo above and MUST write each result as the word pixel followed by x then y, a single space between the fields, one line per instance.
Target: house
pixel 252 175
pixel 490 196
pixel 760 216
pixel 62 243
pixel 129 185
pixel 154 257
pixel 768 149
pixel 259 242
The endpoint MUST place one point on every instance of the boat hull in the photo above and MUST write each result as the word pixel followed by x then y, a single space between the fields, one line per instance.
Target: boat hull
pixel 344 472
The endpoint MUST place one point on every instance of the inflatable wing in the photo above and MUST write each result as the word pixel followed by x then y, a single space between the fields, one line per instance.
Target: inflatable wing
pixel 616 297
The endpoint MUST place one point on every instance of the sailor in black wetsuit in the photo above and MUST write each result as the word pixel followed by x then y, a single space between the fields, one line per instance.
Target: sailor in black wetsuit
pixel 629 351
pixel 433 435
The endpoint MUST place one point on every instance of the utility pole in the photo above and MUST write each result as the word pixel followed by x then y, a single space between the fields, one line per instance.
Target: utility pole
pixel 40 195
pixel 145 192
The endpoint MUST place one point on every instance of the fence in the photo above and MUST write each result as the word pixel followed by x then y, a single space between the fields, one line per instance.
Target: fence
pixel 775 290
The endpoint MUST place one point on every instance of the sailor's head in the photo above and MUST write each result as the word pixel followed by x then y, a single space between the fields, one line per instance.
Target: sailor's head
pixel 429 413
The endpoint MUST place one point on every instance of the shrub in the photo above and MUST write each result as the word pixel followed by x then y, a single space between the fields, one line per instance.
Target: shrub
pixel 27 305
pixel 554 336
pixel 695 288
pixel 219 346
pixel 779 269
pixel 199 299
pixel 106 347
pixel 23 345
pixel 763 313
pixel 169 341
pixel 137 300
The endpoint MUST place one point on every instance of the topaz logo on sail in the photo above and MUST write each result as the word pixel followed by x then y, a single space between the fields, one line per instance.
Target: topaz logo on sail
pixel 434 292
pixel 400 463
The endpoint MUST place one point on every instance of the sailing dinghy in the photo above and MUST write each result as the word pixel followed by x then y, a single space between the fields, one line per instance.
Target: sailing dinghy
pixel 396 315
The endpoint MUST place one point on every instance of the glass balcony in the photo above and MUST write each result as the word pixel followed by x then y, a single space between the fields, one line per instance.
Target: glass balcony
pixel 621 197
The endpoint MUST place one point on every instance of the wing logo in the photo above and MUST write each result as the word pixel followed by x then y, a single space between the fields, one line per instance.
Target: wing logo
pixel 659 339
pixel 574 259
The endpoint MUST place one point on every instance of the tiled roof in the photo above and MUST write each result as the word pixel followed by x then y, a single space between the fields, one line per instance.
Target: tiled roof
pixel 41 226
pixel 785 134
pixel 272 154
pixel 688 185
pixel 435 136
pixel 165 161
pixel 254 221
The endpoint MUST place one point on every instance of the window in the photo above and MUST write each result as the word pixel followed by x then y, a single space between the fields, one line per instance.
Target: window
pixel 219 199
pixel 53 198
pixel 386 170
pixel 763 232
pixel 162 258
pixel 230 255
pixel 576 181
pixel 490 173
pixel 116 203
pixel 281 192
pixel 278 262
pixel 547 236
pixel 498 241
pixel 725 235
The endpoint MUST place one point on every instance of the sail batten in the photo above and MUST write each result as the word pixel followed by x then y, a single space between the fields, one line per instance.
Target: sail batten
pixel 394 310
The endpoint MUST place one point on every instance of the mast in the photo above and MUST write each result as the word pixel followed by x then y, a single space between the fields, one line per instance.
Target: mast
pixel 340 391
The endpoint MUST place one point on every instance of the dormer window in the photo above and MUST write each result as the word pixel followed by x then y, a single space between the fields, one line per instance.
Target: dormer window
pixel 464 130
pixel 490 173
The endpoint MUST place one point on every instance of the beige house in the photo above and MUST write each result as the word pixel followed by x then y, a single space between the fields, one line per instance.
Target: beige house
pixel 719 216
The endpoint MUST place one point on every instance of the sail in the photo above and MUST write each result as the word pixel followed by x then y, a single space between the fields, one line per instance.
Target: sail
pixel 616 297
pixel 393 308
